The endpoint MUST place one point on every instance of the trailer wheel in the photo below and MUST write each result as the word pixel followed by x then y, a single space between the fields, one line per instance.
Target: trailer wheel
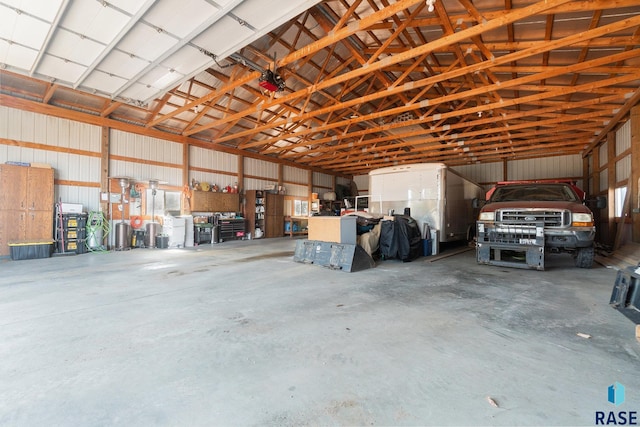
pixel 584 257
pixel 471 232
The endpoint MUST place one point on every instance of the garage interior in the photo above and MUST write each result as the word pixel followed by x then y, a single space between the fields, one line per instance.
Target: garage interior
pixel 134 112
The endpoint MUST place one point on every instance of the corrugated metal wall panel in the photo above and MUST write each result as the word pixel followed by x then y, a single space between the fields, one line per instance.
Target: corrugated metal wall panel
pixel 292 174
pixel 544 168
pixel 602 152
pixel 39 128
pixel 257 184
pixel 297 190
pixel 260 168
pixel 53 131
pixel 320 191
pixel 483 172
pixel 322 180
pixel 142 172
pixel 70 167
pixel 604 182
pixel 14 121
pixel 145 148
pixel 40 133
pixel 623 138
pixel 56 132
pixel 88 197
pixel 27 126
pixel 362 181
pixel 209 159
pixel 623 168
pixel 4 122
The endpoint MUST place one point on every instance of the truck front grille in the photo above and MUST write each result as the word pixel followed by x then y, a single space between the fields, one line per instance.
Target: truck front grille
pixel 558 218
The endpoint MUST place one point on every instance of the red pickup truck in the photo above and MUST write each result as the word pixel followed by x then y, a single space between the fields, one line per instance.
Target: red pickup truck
pixel 521 220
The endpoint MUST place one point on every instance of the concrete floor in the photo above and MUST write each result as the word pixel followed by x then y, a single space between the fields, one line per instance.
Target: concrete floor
pixel 239 334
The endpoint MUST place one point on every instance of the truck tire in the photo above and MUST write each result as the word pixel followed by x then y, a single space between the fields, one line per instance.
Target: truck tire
pixel 584 257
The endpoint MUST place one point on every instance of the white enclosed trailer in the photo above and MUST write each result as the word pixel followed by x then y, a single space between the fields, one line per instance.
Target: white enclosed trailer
pixel 436 196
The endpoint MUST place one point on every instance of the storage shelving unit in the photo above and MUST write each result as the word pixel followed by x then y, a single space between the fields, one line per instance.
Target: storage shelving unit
pixel 254 210
pixel 295 226
pixel 265 210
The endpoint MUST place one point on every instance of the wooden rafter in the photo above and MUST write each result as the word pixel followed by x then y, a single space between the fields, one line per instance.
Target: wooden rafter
pixel 374 83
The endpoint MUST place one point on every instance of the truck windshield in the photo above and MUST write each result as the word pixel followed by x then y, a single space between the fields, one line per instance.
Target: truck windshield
pixel 534 192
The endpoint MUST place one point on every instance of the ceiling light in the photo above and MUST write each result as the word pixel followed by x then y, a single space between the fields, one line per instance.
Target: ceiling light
pixel 430 4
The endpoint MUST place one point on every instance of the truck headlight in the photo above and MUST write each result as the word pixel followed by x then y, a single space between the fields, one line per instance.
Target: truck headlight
pixel 582 220
pixel 487 216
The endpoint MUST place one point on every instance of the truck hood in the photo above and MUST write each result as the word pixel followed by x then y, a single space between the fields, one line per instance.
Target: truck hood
pixel 537 205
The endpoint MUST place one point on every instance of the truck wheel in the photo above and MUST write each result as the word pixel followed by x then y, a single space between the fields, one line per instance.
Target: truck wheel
pixel 584 257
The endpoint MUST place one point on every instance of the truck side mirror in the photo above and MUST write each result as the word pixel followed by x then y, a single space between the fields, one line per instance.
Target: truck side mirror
pixel 476 203
pixel 601 202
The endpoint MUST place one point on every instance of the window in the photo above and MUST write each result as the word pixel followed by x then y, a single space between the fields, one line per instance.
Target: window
pixel 300 208
pixel 619 196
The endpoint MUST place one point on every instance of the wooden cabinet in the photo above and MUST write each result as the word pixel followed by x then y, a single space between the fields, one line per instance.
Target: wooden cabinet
pixel 26 204
pixel 274 215
pixel 265 211
pixel 207 201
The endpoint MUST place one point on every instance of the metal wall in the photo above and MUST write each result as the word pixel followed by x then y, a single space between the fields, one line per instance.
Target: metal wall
pixel 623 138
pixel 259 174
pixel 298 176
pixel 58 134
pixel 485 173
pixel 604 181
pixel 623 143
pixel 139 149
pixel 544 168
pixel 296 190
pixel 362 181
pixel 322 183
pixel 214 160
pixel 603 154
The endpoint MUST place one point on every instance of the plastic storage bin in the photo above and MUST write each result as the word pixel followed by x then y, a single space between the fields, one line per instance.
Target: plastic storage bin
pixel 20 250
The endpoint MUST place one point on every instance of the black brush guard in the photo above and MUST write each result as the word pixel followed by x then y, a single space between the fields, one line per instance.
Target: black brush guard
pixel 511 244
